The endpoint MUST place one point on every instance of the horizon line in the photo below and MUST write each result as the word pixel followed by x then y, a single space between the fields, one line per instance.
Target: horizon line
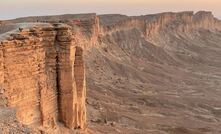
pixel 99 14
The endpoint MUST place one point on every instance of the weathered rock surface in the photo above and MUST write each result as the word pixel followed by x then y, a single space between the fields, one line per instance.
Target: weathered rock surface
pixel 151 25
pixel 162 78
pixel 42 77
pixel 145 74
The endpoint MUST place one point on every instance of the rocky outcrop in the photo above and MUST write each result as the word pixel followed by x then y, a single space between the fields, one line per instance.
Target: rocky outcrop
pixel 154 24
pixel 42 71
pixel 85 31
pixel 42 76
pixel 71 80
pixel 156 81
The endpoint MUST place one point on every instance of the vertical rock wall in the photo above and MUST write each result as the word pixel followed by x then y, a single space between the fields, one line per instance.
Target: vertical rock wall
pixel 22 58
pixel 48 80
pixel 38 77
pixel 71 80
pixel 2 97
pixel 79 74
pixel 66 82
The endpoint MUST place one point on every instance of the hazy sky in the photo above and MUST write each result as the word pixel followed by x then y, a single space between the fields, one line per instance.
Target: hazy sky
pixel 18 8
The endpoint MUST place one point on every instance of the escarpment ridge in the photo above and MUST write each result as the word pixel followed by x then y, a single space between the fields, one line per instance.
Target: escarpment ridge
pixel 46 63
pixel 153 24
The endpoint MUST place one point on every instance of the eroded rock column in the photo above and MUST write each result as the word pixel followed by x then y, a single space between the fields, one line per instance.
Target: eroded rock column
pixel 66 83
pixel 79 74
pixel 71 80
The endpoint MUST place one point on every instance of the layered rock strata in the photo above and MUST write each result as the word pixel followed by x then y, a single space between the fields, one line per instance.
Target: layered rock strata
pixel 42 76
pixel 151 25
pixel 42 72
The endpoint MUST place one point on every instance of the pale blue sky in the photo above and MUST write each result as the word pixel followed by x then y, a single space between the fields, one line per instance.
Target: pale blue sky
pixel 19 8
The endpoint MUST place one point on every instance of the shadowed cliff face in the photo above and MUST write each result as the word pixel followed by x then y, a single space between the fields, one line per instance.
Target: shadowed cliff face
pixel 144 74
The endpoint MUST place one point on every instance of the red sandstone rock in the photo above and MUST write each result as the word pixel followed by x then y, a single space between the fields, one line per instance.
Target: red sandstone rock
pixel 42 72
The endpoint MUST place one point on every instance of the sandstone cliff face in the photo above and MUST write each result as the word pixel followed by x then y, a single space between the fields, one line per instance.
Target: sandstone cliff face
pixel 151 25
pixel 42 69
pixel 42 76
pixel 86 31
pixel 161 79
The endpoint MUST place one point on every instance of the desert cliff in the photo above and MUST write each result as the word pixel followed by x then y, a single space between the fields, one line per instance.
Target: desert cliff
pixel 140 71
pixel 42 76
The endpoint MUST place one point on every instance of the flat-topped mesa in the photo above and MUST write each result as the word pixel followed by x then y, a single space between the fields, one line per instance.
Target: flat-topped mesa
pixel 155 24
pixel 204 19
pixel 125 24
pixel 42 75
pixel 181 22
pixel 42 72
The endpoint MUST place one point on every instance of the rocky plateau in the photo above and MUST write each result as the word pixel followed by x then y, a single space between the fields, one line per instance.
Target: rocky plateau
pixel 111 74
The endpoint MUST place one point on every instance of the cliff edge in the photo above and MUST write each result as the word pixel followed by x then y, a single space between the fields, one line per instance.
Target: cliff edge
pixel 47 62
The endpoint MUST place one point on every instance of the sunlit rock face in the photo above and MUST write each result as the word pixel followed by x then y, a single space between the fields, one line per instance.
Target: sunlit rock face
pixel 152 25
pixel 42 76
pixel 138 71
pixel 155 74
